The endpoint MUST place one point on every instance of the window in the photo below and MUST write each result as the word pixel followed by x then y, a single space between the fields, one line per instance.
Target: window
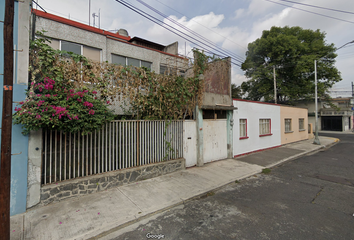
pixel 133 62
pixel 71 47
pixel 92 53
pixel 146 64
pixel 214 114
pixel 126 61
pixel 89 52
pixel 264 127
pixel 301 124
pixel 243 128
pixel 168 70
pixel 288 125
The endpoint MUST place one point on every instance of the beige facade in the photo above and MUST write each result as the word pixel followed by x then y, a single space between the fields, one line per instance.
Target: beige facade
pixel 294 124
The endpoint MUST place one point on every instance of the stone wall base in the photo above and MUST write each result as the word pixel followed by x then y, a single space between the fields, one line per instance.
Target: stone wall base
pixel 86 185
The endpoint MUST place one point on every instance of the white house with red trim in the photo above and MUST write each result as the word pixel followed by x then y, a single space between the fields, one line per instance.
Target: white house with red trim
pixel 256 126
pixel 259 126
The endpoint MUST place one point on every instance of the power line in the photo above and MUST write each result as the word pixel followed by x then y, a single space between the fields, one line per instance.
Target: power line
pixel 39 6
pixel 309 5
pixel 187 29
pixel 164 25
pixel 323 15
pixel 200 24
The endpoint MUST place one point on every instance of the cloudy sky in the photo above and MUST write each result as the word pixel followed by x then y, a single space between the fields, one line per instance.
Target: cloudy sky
pixel 230 25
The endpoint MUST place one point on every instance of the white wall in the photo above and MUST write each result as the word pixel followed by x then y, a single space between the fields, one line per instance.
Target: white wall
pixel 253 111
pixel 190 142
pixel 214 140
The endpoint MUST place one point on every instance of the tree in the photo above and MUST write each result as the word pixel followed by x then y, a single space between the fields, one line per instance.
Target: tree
pixel 291 51
pixel 236 91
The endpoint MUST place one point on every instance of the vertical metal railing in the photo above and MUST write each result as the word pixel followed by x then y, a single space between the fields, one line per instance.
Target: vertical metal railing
pixel 117 145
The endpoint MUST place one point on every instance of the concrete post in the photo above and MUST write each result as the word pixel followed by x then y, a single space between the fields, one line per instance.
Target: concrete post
pixel 200 148
pixel 34 168
pixel 229 130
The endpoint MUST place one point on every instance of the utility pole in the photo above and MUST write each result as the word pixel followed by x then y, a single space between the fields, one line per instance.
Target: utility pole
pixel 6 127
pixel 353 104
pixel 316 141
pixel 275 86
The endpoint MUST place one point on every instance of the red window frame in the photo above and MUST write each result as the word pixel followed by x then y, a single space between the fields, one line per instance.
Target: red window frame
pixel 270 127
pixel 245 137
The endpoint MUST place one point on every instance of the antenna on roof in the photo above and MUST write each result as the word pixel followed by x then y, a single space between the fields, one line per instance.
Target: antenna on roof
pixel 94 15
pixel 89 12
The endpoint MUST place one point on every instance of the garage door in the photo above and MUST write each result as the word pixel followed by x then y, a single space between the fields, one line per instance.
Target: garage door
pixel 332 123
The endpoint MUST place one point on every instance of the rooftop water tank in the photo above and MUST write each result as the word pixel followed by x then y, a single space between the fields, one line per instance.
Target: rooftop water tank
pixel 123 32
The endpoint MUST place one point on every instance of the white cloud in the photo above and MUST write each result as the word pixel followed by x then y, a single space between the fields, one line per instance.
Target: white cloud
pixel 239 13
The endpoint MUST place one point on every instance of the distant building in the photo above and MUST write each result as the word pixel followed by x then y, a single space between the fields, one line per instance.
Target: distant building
pixel 334 116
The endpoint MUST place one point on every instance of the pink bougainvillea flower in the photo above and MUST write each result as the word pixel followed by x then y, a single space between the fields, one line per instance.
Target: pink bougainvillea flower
pixel 38 95
pixel 88 104
pixel 79 100
pixel 108 102
pixel 21 102
pixel 38 116
pixel 60 222
pixel 92 112
pixel 47 95
pixel 94 92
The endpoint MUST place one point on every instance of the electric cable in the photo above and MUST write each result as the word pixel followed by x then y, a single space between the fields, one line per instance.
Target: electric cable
pixel 155 20
pixel 309 5
pixel 188 29
pixel 323 15
pixel 39 6
pixel 200 24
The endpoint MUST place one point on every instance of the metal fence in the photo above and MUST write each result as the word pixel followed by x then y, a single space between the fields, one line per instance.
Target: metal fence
pixel 118 145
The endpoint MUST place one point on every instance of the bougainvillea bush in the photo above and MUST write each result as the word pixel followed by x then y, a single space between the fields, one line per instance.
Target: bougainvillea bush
pixel 58 105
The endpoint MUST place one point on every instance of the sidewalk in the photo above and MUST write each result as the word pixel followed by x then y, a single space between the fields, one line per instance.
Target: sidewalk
pixel 96 215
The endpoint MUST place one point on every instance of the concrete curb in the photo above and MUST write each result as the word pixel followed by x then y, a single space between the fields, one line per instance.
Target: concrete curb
pixel 183 201
pixel 336 140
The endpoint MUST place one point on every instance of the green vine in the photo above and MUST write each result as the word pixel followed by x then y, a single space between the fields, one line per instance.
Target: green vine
pixel 141 93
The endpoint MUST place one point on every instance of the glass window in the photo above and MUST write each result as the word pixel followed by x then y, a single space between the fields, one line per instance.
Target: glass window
pixel 301 124
pixel 264 126
pixel 133 62
pixel 92 53
pixel 287 125
pixel 120 60
pixel 146 64
pixel 163 69
pixel 71 47
pixel 243 128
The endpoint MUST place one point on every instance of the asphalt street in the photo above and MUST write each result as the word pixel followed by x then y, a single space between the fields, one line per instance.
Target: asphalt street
pixel 307 198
